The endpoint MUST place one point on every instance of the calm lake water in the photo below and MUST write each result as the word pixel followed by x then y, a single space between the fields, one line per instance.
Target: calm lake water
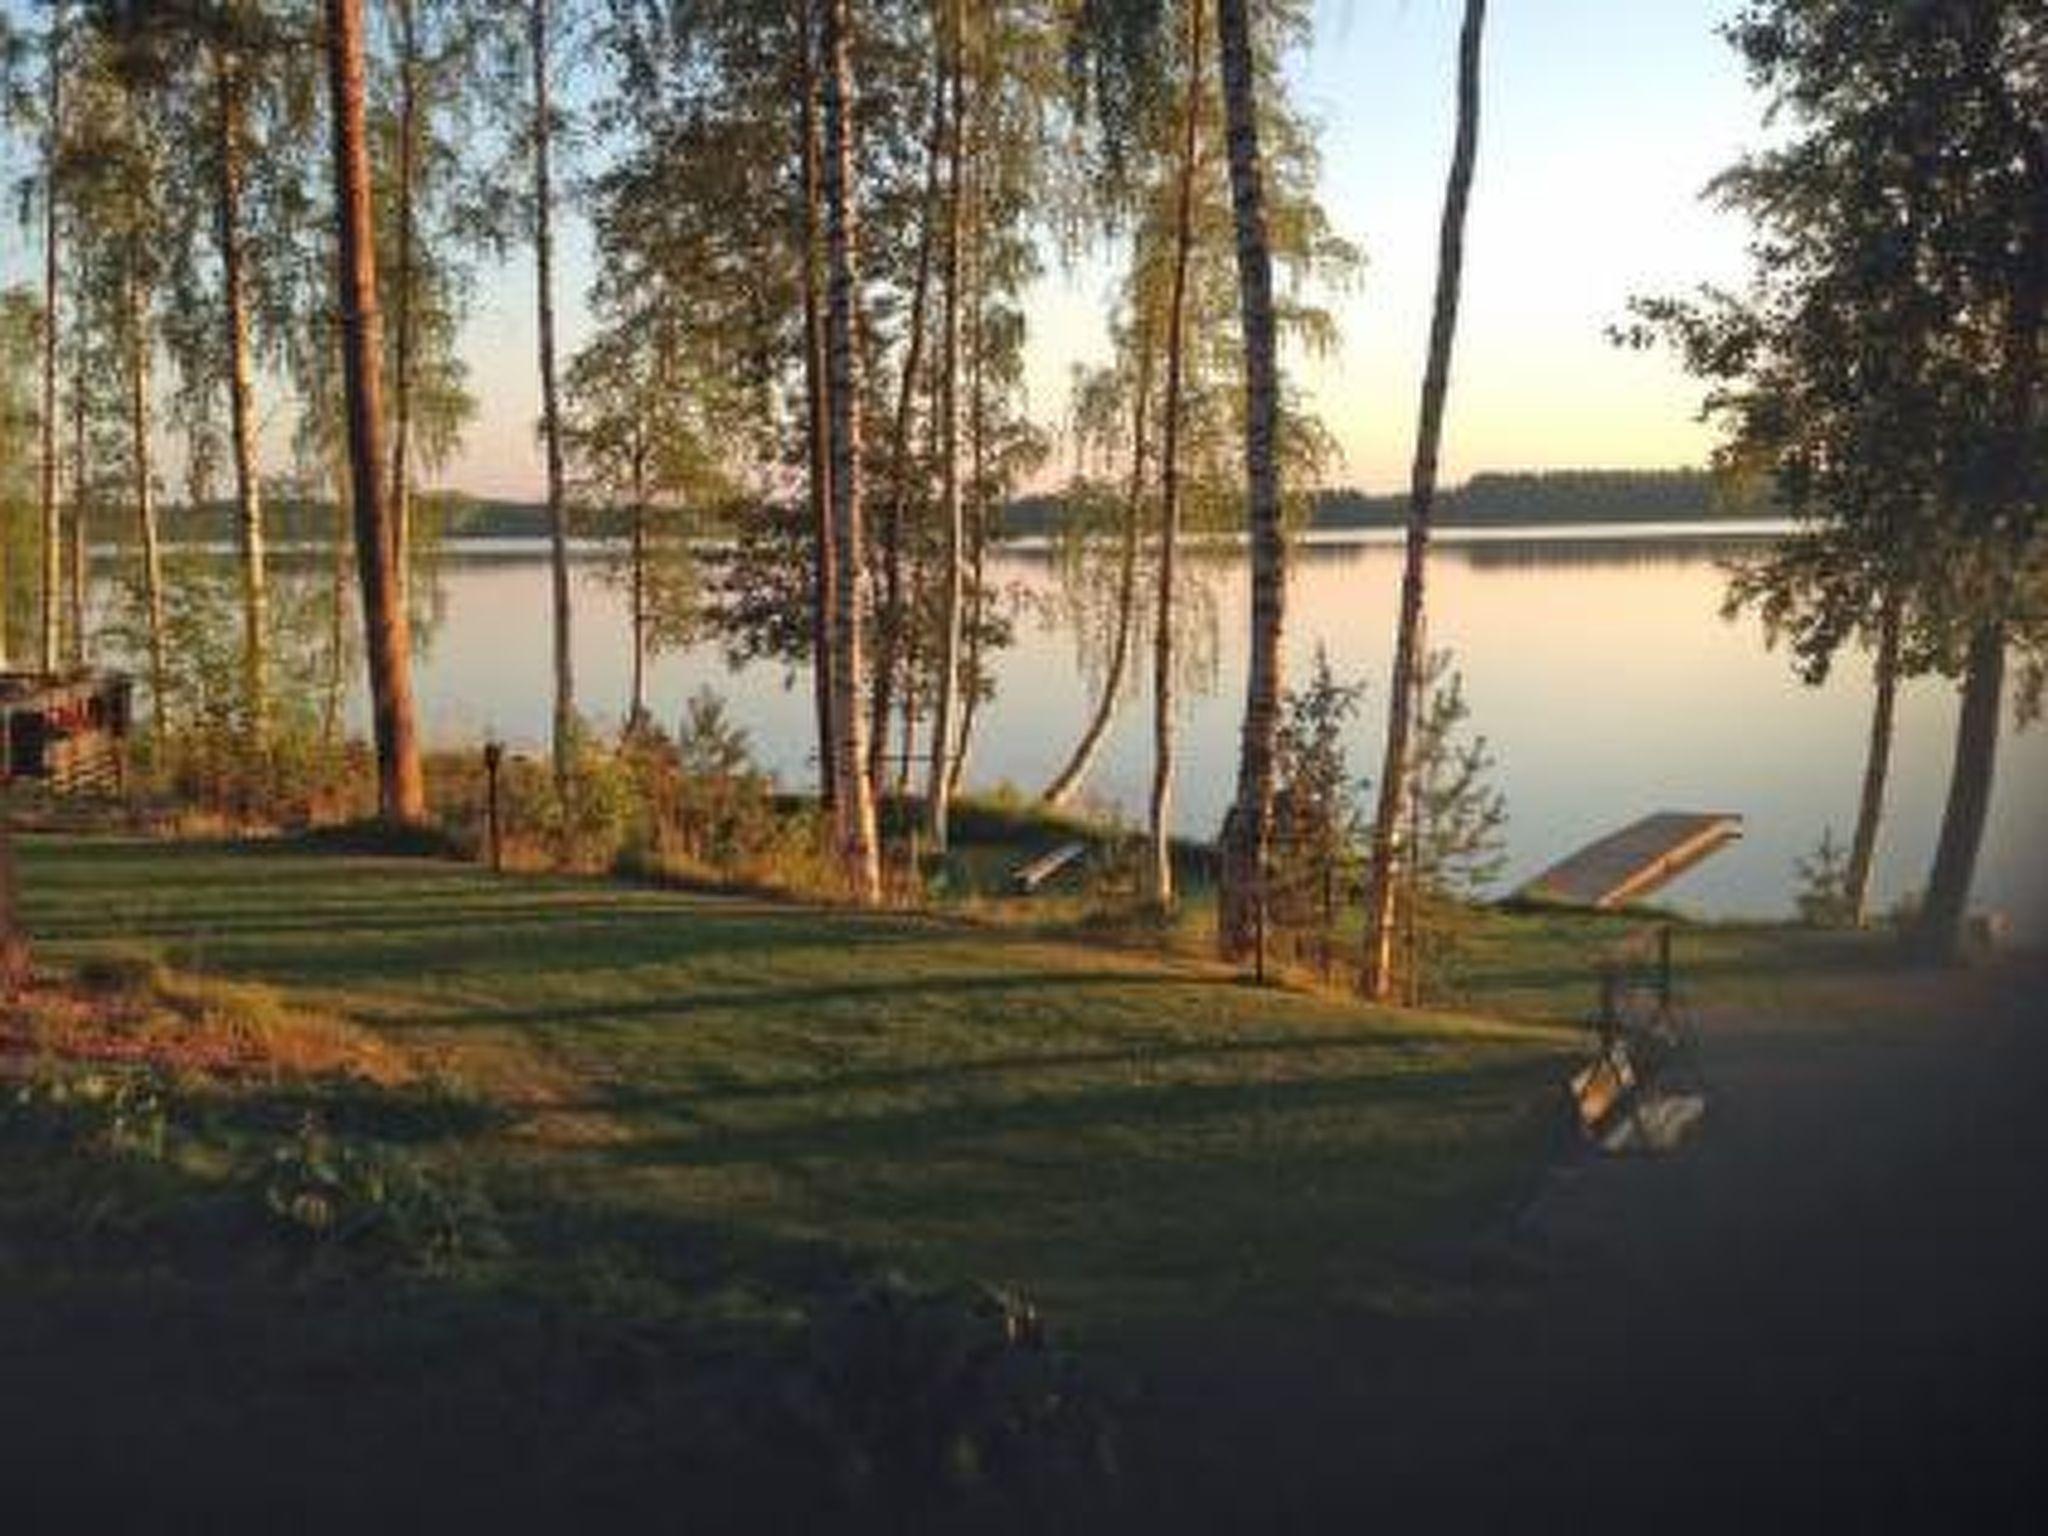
pixel 1595 664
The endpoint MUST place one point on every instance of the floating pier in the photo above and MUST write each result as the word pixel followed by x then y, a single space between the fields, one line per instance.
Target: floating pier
pixel 1641 858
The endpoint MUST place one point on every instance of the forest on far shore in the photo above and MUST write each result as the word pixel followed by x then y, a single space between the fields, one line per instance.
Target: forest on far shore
pixel 1513 498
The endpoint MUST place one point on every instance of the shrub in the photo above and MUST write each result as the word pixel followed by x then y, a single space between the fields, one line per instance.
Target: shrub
pixel 927 1397
pixel 367 1202
pixel 1318 818
pixel 1823 894
pixel 1458 818
pixel 108 1113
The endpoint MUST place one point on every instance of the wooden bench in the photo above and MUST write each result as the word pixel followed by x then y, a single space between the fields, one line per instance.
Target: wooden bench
pixel 1030 875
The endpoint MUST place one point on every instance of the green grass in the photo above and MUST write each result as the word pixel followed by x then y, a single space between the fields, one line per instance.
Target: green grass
pixel 1132 1140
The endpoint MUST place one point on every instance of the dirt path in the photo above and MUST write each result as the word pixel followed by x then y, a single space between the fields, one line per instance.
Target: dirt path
pixel 1829 1313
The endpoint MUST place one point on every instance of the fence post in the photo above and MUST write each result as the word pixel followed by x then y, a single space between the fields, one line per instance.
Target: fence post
pixel 494 757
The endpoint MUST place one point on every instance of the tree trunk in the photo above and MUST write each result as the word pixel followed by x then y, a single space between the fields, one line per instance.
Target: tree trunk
pixel 1938 934
pixel 1377 975
pixel 889 627
pixel 1242 895
pixel 939 782
pixel 1069 778
pixel 853 798
pixel 977 482
pixel 337 628
pixel 242 407
pixel 971 666
pixel 907 728
pixel 387 633
pixel 1169 474
pixel 141 441
pixel 818 443
pixel 550 399
pixel 52 542
pixel 81 482
pixel 1877 762
pixel 15 972
pixel 636 716
pixel 404 328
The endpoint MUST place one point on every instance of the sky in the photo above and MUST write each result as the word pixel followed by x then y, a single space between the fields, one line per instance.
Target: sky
pixel 1601 122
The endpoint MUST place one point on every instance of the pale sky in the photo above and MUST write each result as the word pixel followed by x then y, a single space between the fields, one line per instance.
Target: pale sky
pixel 1602 121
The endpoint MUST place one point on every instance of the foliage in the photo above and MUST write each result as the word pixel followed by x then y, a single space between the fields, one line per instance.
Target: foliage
pixel 1318 846
pixel 708 808
pixel 692 808
pixel 1823 896
pixel 371 1204
pixel 1456 837
pixel 104 1113
pixel 1463 847
pixel 198 746
pixel 1884 366
pixel 936 1398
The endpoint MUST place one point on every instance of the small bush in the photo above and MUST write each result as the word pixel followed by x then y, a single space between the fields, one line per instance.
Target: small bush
pixel 369 1203
pixel 105 1113
pixel 921 1398
pixel 1823 894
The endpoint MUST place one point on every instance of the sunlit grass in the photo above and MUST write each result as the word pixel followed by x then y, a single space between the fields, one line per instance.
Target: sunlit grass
pixel 1122 1134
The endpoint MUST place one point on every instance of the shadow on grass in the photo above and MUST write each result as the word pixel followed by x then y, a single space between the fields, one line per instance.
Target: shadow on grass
pixel 875 997
pixel 1067 1119
pixel 418 1114
pixel 1393 1042
pixel 174 1355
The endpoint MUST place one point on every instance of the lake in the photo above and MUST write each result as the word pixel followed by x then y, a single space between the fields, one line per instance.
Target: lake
pixel 1595 664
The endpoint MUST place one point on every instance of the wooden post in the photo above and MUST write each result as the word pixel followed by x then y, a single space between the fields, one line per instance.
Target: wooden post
pixel 494 757
pixel 1664 969
pixel 1607 1022
pixel 1259 921
pixel 13 946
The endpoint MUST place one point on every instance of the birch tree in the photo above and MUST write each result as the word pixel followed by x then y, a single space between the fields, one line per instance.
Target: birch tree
pixel 1244 851
pixel 539 42
pixel 1406 686
pixel 1163 702
pixel 939 783
pixel 853 801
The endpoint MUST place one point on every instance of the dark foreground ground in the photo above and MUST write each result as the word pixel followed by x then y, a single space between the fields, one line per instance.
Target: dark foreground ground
pixel 1831 1313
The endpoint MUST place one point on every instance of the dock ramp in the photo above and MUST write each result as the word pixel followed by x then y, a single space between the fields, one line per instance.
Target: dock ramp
pixel 1641 858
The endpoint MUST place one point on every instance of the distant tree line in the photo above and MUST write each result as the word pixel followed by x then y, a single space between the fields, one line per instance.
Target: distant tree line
pixel 1523 498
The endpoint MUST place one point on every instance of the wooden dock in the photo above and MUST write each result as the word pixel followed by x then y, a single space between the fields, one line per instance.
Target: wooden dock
pixel 1641 858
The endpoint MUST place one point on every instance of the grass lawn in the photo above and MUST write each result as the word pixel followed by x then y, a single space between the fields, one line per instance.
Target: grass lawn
pixel 688 1109
pixel 1126 1138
